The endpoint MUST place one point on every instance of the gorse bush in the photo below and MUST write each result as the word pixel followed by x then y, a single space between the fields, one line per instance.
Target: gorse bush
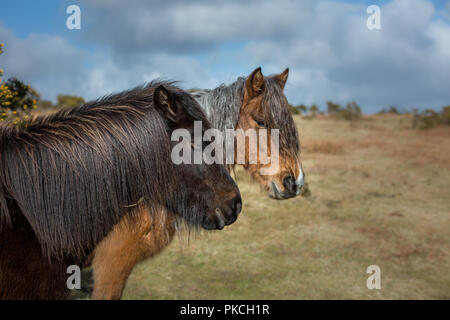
pixel 16 98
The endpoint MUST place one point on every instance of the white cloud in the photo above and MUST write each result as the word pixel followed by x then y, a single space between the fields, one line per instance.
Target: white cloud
pixel 108 76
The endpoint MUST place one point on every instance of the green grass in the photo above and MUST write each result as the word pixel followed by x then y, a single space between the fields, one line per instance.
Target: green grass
pixel 379 195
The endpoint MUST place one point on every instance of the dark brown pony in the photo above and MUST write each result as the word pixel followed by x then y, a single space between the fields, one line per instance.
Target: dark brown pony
pixel 66 179
pixel 255 102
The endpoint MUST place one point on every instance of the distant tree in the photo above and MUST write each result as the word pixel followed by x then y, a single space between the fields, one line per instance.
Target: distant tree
pixel 429 119
pixel 313 110
pixel 393 110
pixel 293 109
pixel 445 115
pixel 333 108
pixel 352 111
pixel 302 108
pixel 416 118
pixel 299 109
pixel 45 104
pixel 354 107
pixel 67 101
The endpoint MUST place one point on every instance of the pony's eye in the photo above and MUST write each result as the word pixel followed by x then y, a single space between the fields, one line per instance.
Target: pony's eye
pixel 261 123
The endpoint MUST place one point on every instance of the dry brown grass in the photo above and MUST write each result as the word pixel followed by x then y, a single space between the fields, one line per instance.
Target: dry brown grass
pixel 326 147
pixel 416 146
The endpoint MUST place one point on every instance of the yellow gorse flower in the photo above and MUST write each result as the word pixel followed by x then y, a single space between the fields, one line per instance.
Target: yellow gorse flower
pixel 14 106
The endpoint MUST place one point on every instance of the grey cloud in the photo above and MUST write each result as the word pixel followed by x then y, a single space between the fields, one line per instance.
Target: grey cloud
pixel 187 26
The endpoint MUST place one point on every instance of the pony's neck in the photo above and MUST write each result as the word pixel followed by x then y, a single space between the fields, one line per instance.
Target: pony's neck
pixel 222 104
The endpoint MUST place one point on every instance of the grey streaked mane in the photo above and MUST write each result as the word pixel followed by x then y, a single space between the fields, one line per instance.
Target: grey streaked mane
pixel 222 104
pixel 222 108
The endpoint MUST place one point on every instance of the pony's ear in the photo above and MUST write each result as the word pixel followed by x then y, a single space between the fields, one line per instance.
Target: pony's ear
pixel 165 103
pixel 254 85
pixel 282 78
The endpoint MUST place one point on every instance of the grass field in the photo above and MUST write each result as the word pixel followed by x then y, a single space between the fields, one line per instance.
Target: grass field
pixel 379 196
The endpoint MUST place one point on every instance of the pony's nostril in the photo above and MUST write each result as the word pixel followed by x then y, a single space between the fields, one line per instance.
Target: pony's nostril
pixel 232 210
pixel 236 205
pixel 300 180
pixel 290 184
pixel 220 222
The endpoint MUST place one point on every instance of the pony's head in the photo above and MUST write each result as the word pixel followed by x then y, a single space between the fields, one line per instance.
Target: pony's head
pixel 265 107
pixel 205 194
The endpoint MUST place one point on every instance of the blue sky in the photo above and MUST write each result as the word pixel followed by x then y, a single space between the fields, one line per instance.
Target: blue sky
pixel 330 52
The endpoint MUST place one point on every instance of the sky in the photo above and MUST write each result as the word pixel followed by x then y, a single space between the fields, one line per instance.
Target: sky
pixel 326 44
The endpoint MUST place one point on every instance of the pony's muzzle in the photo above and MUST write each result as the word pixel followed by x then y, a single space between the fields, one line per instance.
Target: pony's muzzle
pixel 222 217
pixel 292 187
